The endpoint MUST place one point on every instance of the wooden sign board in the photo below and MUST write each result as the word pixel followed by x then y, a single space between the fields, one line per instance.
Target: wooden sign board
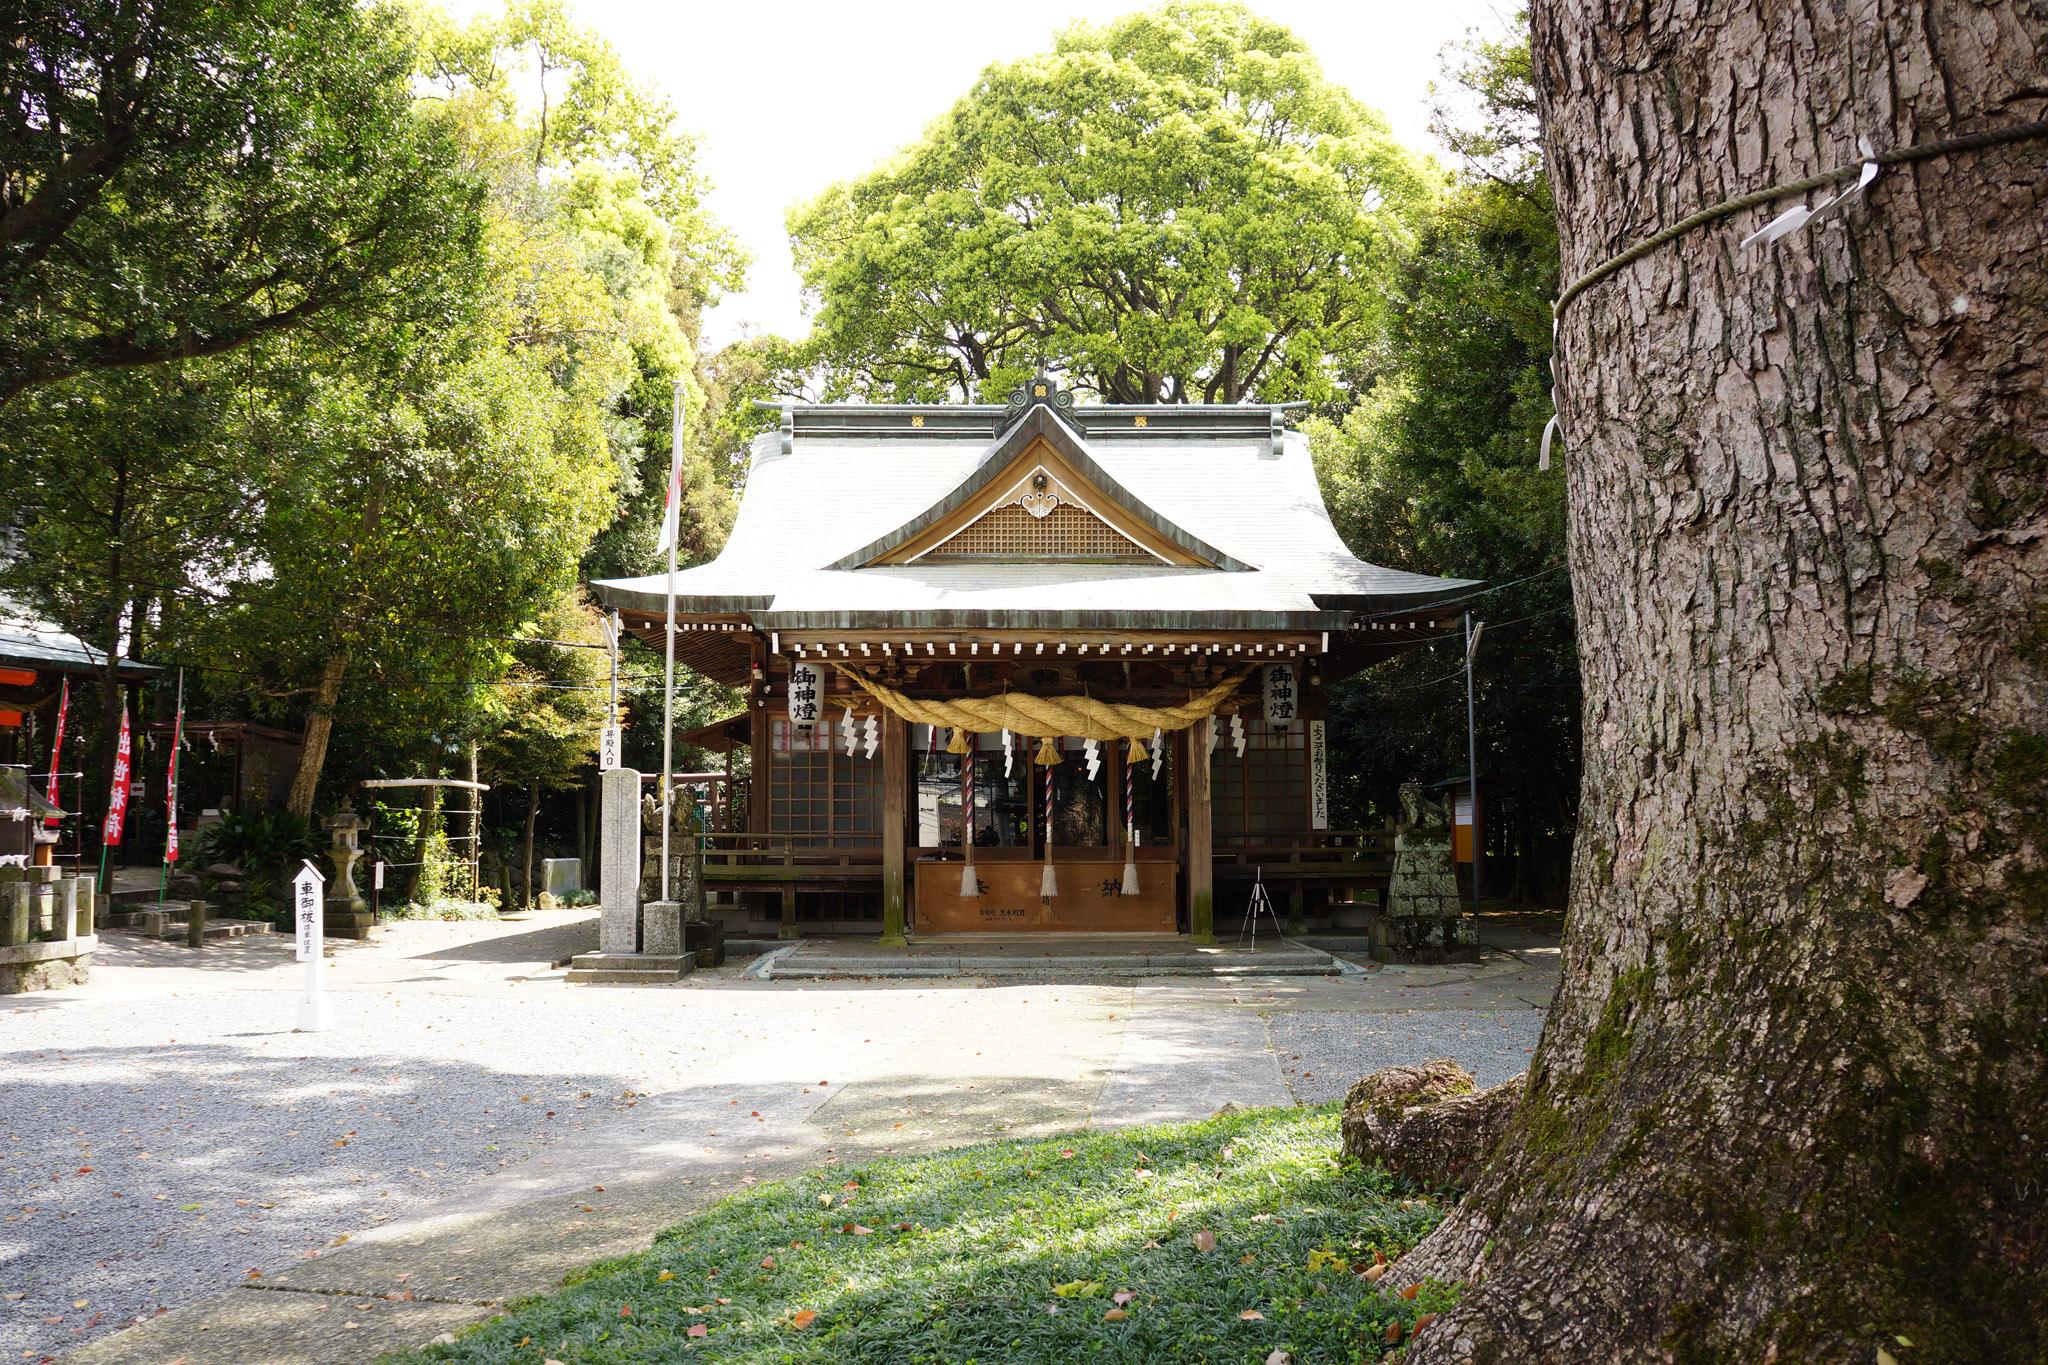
pixel 1090 899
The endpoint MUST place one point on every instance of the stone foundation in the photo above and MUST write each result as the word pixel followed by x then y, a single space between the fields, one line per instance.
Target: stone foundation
pixel 46 929
pixel 20 978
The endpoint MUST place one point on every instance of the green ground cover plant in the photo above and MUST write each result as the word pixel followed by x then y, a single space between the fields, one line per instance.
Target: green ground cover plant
pixel 1232 1239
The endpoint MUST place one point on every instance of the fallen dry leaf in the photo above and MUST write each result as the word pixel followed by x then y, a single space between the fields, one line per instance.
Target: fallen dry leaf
pixel 625 1310
pixel 698 1329
pixel 1425 1320
pixel 1411 1290
pixel 1252 1315
pixel 1115 1315
pixel 1205 1240
pixel 805 1318
pixel 1372 1272
pixel 1279 1357
pixel 665 1276
pixel 767 1263
pixel 1122 1297
pixel 1393 1333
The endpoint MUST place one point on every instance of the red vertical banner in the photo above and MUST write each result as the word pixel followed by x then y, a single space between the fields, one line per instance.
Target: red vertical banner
pixel 171 785
pixel 117 795
pixel 57 747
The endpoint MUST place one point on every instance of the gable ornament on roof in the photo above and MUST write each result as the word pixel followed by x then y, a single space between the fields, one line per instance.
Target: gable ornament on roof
pixel 1024 397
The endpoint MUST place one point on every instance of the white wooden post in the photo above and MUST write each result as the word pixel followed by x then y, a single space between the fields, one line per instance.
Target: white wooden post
pixel 314 1015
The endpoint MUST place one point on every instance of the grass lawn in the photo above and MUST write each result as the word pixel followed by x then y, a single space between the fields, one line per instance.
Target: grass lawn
pixel 1224 1240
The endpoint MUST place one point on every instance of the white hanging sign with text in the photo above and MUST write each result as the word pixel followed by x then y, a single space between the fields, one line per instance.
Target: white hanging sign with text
pixel 806 694
pixel 1318 777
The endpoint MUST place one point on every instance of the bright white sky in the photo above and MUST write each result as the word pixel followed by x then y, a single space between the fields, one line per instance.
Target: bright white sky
pixel 788 96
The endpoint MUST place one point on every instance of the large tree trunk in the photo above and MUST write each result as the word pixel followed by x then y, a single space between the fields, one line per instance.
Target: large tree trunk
pixel 319 728
pixel 1790 1102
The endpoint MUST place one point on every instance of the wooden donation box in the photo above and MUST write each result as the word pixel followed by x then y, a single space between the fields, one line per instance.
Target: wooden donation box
pixel 1090 898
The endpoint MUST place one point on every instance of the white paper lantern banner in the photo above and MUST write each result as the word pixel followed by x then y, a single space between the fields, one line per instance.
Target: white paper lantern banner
pixel 874 735
pixel 1237 734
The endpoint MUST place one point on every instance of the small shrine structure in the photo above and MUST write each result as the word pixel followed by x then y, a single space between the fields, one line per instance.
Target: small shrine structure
pixel 1035 667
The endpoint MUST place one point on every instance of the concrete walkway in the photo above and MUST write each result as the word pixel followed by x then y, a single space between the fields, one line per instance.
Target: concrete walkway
pixel 715 1083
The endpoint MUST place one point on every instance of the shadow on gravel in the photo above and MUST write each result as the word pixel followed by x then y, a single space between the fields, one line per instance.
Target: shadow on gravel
pixel 141 1177
pixel 547 943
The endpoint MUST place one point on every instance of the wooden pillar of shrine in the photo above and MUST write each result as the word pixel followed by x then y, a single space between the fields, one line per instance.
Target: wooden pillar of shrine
pixel 895 820
pixel 1201 856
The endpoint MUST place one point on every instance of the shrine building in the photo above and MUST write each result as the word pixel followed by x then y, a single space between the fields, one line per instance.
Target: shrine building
pixel 1034 667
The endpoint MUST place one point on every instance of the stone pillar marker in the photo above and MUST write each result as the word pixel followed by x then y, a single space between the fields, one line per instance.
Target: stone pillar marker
pixel 624 957
pixel 14 921
pixel 662 925
pixel 195 925
pixel 618 928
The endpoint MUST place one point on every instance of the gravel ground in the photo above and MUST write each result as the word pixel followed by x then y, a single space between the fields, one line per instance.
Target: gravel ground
pixel 155 1151
pixel 1322 1054
pixel 120 1162
pixel 164 1133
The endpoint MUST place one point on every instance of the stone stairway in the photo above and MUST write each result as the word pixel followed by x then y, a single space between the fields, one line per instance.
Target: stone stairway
pixel 167 920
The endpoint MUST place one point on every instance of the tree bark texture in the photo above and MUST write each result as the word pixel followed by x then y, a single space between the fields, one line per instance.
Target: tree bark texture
pixel 319 728
pixel 1790 1101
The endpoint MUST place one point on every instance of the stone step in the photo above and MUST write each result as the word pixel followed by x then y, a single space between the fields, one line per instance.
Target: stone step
pixel 601 978
pixel 825 967
pixel 627 969
pixel 169 923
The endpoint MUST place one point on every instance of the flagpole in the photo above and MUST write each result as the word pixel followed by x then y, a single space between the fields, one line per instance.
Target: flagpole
pixel 672 519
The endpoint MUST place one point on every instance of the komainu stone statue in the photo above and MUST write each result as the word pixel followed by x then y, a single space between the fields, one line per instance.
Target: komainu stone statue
pixel 1425 919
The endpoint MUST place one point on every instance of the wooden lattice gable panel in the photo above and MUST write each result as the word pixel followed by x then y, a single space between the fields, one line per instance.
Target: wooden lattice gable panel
pixel 1038 496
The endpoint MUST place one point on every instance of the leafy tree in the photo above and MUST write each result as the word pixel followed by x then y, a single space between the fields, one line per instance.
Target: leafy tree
pixel 1173 207
pixel 564 131
pixel 546 714
pixel 451 490
pixel 179 179
pixel 1435 470
pixel 124 487
pixel 424 510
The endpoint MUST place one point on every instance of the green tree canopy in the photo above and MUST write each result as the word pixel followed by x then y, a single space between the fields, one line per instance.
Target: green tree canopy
pixel 178 179
pixel 1435 470
pixel 1173 207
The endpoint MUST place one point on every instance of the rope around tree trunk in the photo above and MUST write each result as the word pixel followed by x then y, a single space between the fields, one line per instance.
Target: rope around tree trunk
pixel 1052 717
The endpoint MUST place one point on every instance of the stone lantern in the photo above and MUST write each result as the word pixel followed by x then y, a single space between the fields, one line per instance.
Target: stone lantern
pixel 346 914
